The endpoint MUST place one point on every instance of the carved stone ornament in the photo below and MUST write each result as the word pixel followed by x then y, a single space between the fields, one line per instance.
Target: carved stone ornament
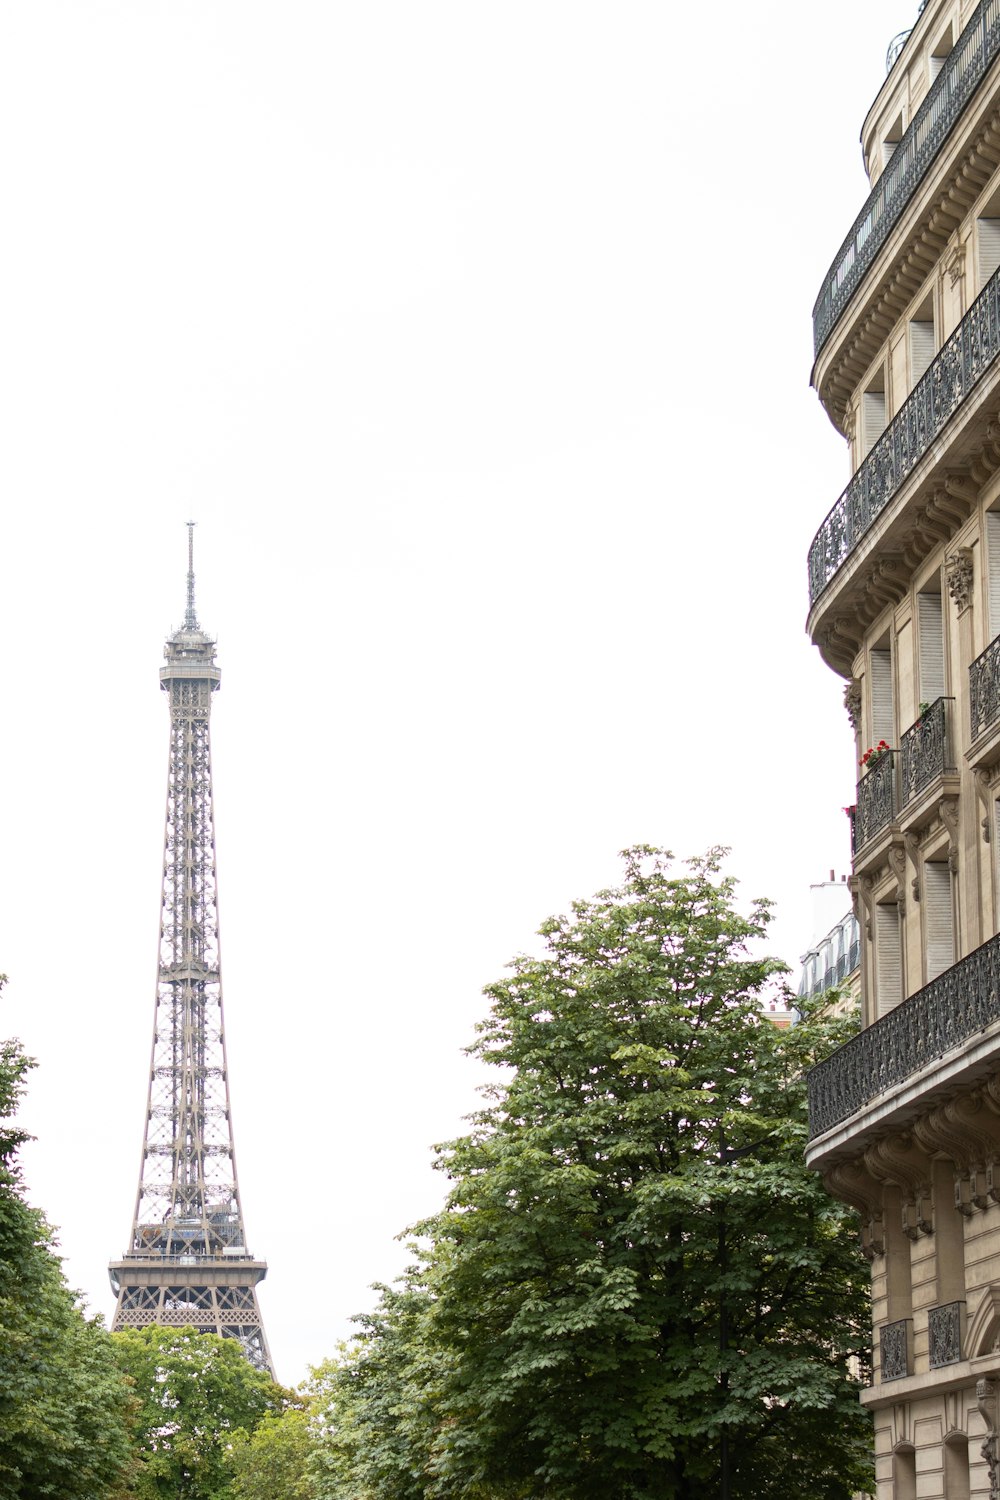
pixel 852 702
pixel 959 573
pixel 954 261
pixel 949 817
pixel 986 1400
pixel 944 1334
pixel 897 860
pixel 983 782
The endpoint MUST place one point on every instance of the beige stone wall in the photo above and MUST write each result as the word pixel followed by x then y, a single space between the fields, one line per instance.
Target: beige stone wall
pixel 922 1165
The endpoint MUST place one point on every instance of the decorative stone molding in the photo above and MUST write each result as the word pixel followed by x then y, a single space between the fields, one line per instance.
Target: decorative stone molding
pixel 852 702
pixel 944 1334
pixel 959 573
pixel 865 887
pixel 954 260
pixel 897 1160
pixel 855 1186
pixel 894 1345
pixel 983 1333
pixel 902 1437
pixel 986 1400
pixel 897 858
pixel 983 782
pixel 949 817
pixel 912 844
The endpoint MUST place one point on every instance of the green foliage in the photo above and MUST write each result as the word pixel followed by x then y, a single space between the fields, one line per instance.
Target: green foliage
pixel 634 1264
pixel 63 1406
pixel 274 1462
pixel 197 1396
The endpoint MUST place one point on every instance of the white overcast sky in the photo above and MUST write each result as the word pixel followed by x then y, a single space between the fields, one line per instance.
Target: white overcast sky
pixel 476 337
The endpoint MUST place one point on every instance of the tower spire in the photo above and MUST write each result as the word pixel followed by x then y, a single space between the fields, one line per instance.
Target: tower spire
pixel 187 1261
pixel 190 617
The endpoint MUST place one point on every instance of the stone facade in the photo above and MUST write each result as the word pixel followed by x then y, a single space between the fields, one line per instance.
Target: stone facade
pixel 904 579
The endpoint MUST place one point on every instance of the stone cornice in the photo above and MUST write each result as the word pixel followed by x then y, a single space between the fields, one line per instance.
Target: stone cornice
pixel 922 239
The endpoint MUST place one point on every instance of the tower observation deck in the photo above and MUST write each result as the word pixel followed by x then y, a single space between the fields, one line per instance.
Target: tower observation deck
pixel 187 1263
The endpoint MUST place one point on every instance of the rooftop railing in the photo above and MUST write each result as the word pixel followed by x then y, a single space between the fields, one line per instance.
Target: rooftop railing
pixel 951 377
pixel 952 1009
pixel 964 70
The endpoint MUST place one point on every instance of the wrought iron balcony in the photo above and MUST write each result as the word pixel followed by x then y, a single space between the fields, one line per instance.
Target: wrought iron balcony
pixel 952 1009
pixel 876 806
pixel 925 750
pixel 895 49
pixel 895 1347
pixel 951 377
pixel 964 70
pixel 984 690
pixel 944 1331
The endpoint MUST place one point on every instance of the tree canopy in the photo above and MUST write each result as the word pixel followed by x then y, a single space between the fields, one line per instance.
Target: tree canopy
pixel 635 1279
pixel 196 1395
pixel 64 1408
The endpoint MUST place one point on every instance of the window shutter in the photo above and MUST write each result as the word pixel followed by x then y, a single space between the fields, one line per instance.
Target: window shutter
pixel 889 989
pixel 930 623
pixel 872 418
pixel 939 927
pixel 989 249
pixel 993 565
pixel 883 724
pixel 921 348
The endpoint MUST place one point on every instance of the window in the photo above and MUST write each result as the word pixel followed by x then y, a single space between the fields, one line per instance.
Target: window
pixel 956 1468
pixel 904 1475
pixel 939 922
pixel 940 55
pixel 883 718
pixel 921 345
pixel 993 570
pixel 888 958
pixel 988 246
pixel 930 635
pixel 873 415
pixel 891 140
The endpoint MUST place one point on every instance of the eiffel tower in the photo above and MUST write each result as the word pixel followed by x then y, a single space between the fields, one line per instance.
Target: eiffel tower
pixel 187 1263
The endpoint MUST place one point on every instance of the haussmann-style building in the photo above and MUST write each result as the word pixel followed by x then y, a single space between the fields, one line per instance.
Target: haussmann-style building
pixel 904 583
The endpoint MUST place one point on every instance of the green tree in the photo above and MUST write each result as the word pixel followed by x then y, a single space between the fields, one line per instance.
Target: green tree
pixel 381 1402
pixel 275 1462
pixel 635 1272
pixel 63 1406
pixel 197 1395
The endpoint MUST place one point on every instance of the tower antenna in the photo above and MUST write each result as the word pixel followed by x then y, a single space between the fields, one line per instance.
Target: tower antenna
pixel 190 618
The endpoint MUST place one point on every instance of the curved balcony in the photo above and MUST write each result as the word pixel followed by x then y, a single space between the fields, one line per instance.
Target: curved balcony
pixel 934 400
pixel 952 1009
pixel 966 67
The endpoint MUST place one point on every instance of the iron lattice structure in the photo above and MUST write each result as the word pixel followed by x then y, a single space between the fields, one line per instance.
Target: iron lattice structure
pixel 187 1263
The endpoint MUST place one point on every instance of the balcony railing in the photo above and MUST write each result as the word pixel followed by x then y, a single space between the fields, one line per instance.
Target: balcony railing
pixel 876 806
pixel 964 70
pixel 895 1347
pixel 944 1332
pixel 925 750
pixel 952 1009
pixel 951 377
pixel 984 690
